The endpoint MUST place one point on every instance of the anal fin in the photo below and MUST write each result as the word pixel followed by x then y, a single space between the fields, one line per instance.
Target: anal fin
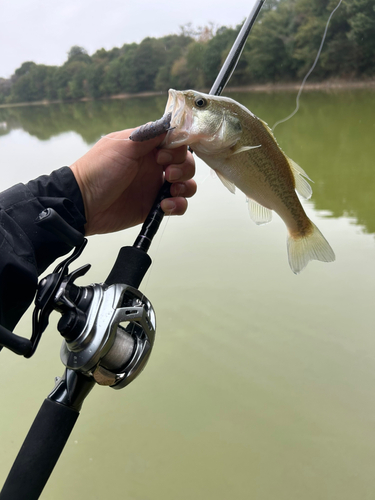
pixel 258 213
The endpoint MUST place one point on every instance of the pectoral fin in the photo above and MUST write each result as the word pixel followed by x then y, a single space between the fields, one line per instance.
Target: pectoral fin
pixel 258 213
pixel 244 148
pixel 229 185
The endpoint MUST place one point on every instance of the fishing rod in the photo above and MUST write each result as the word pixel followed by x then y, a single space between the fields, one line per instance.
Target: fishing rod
pixel 156 214
pixel 108 328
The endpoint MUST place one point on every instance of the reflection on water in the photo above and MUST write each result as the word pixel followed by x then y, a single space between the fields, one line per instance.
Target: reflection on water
pixel 89 119
pixel 261 383
pixel 331 137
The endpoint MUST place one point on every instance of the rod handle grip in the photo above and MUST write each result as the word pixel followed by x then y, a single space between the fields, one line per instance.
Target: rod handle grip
pixel 40 451
pixel 130 267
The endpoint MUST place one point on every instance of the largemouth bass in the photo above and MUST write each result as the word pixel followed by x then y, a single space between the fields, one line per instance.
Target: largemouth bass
pixel 243 152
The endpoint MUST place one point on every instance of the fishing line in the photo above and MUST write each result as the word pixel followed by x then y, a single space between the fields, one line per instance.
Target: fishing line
pixel 157 250
pixel 310 70
pixel 113 138
pixel 167 218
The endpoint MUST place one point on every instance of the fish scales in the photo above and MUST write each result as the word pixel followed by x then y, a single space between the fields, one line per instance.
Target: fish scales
pixel 244 153
pixel 279 180
pixel 284 189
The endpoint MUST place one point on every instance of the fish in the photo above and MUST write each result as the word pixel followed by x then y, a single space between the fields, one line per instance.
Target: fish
pixel 242 150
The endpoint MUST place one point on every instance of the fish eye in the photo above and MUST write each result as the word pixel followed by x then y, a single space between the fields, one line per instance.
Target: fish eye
pixel 200 102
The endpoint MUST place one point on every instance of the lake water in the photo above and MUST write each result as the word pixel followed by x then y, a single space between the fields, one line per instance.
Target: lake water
pixel 261 384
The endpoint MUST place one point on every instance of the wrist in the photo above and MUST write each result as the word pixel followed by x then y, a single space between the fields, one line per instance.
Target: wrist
pixel 84 193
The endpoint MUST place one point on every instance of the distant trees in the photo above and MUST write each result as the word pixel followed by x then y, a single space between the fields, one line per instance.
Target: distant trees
pixel 5 89
pixel 282 47
pixel 32 82
pixel 362 32
pixel 296 28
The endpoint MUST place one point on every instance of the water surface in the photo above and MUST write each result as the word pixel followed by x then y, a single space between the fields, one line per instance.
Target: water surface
pixel 261 383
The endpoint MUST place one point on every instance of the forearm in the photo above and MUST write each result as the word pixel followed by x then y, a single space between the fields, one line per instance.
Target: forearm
pixel 26 249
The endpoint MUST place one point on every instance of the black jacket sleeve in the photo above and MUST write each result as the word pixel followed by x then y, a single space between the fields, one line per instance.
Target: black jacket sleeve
pixel 26 249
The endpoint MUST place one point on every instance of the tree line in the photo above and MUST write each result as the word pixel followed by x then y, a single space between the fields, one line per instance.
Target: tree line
pixel 281 48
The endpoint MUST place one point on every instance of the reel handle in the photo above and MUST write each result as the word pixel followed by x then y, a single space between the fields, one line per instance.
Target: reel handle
pixel 19 345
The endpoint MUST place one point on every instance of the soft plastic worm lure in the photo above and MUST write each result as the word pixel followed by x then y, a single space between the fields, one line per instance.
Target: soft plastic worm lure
pixel 151 130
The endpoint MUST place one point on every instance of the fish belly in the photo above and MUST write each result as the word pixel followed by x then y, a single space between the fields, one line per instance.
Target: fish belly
pixel 265 186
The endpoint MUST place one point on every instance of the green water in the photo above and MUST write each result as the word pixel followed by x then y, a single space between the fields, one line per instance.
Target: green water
pixel 261 385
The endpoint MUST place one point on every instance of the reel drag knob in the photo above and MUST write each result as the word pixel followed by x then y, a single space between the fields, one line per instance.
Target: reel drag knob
pixel 71 324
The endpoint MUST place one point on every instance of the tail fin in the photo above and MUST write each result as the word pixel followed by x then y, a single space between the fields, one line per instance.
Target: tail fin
pixel 311 247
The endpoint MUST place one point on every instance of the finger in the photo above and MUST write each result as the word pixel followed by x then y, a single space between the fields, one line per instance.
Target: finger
pixel 181 172
pixel 177 204
pixel 169 156
pixel 133 150
pixel 174 206
pixel 183 189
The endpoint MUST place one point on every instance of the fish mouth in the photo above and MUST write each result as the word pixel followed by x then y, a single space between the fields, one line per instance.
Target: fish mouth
pixel 181 120
pixel 175 106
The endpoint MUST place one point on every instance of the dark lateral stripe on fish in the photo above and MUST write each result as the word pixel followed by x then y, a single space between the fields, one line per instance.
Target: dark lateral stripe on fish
pixel 151 130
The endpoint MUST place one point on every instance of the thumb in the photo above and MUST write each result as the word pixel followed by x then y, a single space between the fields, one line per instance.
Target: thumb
pixel 138 148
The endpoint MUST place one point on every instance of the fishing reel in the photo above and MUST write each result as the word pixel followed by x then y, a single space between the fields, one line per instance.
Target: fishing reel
pixel 108 328
pixel 108 331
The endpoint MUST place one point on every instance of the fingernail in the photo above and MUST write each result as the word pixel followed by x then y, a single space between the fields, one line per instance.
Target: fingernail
pixel 168 205
pixel 174 174
pixel 164 158
pixel 178 189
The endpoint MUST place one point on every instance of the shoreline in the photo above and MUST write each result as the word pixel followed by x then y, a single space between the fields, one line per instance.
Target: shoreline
pixel 329 85
pixel 295 86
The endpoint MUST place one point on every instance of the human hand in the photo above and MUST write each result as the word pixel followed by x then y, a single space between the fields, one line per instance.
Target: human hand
pixel 119 180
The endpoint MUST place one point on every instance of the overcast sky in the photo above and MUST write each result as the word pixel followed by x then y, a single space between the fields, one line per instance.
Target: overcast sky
pixel 43 31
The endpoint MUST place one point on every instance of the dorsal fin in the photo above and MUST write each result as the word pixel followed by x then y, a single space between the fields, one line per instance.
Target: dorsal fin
pixel 302 186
